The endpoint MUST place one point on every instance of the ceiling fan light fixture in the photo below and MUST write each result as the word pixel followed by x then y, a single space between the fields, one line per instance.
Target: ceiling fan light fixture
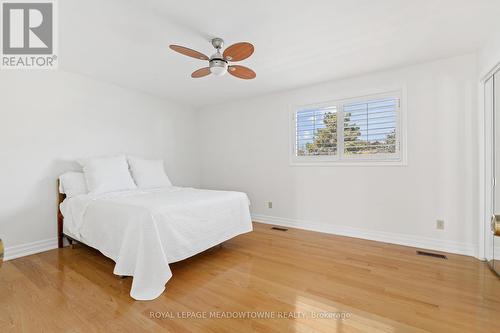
pixel 218 67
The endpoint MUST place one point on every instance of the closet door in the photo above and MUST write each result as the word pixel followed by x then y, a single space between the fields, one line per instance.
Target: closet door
pixel 495 226
pixel 490 170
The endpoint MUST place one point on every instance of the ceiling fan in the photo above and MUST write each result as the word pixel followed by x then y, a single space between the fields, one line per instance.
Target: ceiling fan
pixel 218 64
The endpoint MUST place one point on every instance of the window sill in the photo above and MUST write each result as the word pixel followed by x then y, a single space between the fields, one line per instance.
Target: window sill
pixel 349 163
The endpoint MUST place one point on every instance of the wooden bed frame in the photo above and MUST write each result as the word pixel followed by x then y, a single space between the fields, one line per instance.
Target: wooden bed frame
pixel 60 220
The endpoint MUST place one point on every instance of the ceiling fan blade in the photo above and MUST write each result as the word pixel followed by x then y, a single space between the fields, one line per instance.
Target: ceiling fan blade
pixel 188 52
pixel 201 72
pixel 241 72
pixel 238 51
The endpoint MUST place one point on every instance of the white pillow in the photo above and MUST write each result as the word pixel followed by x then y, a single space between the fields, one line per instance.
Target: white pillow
pixel 148 173
pixel 72 184
pixel 107 174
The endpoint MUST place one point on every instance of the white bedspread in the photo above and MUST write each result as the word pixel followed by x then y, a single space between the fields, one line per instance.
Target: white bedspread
pixel 145 230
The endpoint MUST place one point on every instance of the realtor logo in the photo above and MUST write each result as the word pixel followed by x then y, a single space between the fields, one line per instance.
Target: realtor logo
pixel 28 35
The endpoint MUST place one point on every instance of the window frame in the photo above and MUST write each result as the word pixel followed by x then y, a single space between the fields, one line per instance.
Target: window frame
pixel 341 159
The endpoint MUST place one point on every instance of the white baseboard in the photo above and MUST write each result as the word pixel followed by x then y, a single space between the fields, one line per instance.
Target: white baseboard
pixel 22 250
pixel 380 236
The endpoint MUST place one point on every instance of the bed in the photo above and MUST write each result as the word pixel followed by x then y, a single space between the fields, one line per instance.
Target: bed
pixel 144 230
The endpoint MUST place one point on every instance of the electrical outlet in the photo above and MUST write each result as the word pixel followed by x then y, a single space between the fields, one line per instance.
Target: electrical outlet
pixel 269 204
pixel 440 224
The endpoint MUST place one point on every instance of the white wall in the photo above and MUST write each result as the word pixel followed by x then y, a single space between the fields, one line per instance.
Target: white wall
pixel 489 55
pixel 50 118
pixel 245 146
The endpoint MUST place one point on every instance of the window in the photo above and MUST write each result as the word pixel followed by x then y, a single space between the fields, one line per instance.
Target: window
pixel 353 130
pixel 317 131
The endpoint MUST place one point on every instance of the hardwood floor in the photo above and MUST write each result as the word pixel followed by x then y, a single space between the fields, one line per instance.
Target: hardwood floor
pixel 378 287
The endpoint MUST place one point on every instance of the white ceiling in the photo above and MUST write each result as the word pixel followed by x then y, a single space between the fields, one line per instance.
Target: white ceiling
pixel 296 42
